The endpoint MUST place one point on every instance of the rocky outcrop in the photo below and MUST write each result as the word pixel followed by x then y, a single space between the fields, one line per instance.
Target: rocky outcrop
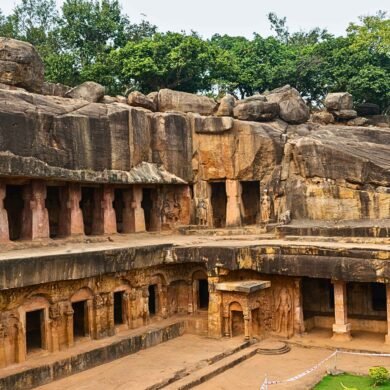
pixel 90 91
pixel 226 106
pixel 20 65
pixel 322 117
pixel 293 108
pixel 344 114
pixel 137 99
pixel 56 89
pixel 338 101
pixel 212 124
pixel 256 110
pixel 169 100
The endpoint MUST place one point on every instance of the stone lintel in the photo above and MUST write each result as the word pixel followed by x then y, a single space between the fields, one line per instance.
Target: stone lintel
pixel 247 286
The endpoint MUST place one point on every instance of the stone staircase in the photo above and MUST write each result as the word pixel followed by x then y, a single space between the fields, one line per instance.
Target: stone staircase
pixel 205 370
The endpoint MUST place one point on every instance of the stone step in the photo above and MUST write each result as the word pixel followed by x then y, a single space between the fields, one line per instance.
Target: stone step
pixel 206 373
pixel 199 365
pixel 273 347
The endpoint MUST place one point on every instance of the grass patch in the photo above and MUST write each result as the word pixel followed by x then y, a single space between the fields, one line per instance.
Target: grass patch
pixel 334 382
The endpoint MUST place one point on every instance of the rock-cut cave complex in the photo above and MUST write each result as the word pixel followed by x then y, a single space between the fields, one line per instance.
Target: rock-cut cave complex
pixel 254 217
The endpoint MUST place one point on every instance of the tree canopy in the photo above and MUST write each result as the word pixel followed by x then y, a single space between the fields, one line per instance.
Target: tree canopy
pixel 94 40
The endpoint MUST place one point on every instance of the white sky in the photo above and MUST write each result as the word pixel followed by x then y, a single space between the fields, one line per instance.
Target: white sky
pixel 243 17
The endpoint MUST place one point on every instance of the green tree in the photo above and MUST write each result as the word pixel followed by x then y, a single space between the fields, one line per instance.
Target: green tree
pixel 171 60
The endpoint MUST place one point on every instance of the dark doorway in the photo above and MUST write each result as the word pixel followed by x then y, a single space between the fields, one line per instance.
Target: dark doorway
pixel 149 196
pixel 317 297
pixel 14 204
pixel 53 208
pixel 237 323
pixel 203 294
pixel 86 206
pixel 119 205
pixel 250 201
pixel 378 296
pixel 218 203
pixel 34 330
pixel 118 308
pixel 80 319
pixel 152 299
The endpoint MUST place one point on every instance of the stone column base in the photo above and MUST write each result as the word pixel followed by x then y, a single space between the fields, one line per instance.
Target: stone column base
pixel 342 332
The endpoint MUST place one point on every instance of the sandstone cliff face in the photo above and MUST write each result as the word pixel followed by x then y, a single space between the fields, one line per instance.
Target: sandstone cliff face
pixel 317 172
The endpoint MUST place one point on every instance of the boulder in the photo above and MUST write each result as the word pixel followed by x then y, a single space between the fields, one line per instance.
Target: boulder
pixel 153 96
pixel 169 100
pixel 364 109
pixel 338 101
pixel 293 108
pixel 345 114
pixel 256 111
pixel 213 124
pixel 57 89
pixel 226 106
pixel 90 91
pixel 138 99
pixel 359 121
pixel 254 98
pixel 20 65
pixel 322 117
pixel 121 99
pixel 109 99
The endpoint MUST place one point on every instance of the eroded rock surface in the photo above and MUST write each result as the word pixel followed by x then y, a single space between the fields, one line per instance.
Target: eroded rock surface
pixel 20 65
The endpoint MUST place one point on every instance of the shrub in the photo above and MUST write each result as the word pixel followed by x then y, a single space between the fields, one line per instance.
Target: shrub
pixel 379 375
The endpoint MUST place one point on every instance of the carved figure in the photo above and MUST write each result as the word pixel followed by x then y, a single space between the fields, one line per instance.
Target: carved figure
pixel 170 211
pixel 265 207
pixel 201 212
pixel 285 218
pixel 283 309
pixel 98 301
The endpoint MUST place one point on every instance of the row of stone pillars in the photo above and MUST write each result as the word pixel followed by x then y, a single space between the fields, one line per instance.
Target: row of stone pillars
pixel 35 215
pixel 341 327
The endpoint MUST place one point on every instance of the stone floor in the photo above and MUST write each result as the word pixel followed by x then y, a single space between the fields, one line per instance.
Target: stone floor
pixel 148 367
pixel 58 247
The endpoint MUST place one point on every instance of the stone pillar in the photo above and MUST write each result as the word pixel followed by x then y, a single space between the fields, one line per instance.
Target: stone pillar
pixel 133 213
pixel 190 298
pixel 54 321
pixel 226 322
pixel 97 316
pixel 110 314
pixel 68 312
pixel 341 327
pixel 35 217
pixel 233 208
pixel 126 308
pixel 71 222
pixel 299 324
pixel 104 218
pixel 20 343
pixel 215 308
pixel 4 227
pixel 387 338
pixel 247 324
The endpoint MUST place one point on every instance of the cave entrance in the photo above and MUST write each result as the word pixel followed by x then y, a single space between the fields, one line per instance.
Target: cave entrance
pixel 153 305
pixel 34 330
pixel 250 201
pixel 118 308
pixel 218 203
pixel 80 319
pixel 149 197
pixel 119 206
pixel 14 205
pixel 86 205
pixel 53 206
pixel 203 294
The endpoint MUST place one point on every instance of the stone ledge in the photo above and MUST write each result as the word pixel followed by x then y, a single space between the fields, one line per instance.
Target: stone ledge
pixel 46 373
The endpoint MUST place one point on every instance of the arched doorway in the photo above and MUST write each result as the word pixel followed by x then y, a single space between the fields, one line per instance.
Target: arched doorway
pixel 237 326
pixel 200 290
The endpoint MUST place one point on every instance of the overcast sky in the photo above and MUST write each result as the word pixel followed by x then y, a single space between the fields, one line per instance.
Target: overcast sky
pixel 243 17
